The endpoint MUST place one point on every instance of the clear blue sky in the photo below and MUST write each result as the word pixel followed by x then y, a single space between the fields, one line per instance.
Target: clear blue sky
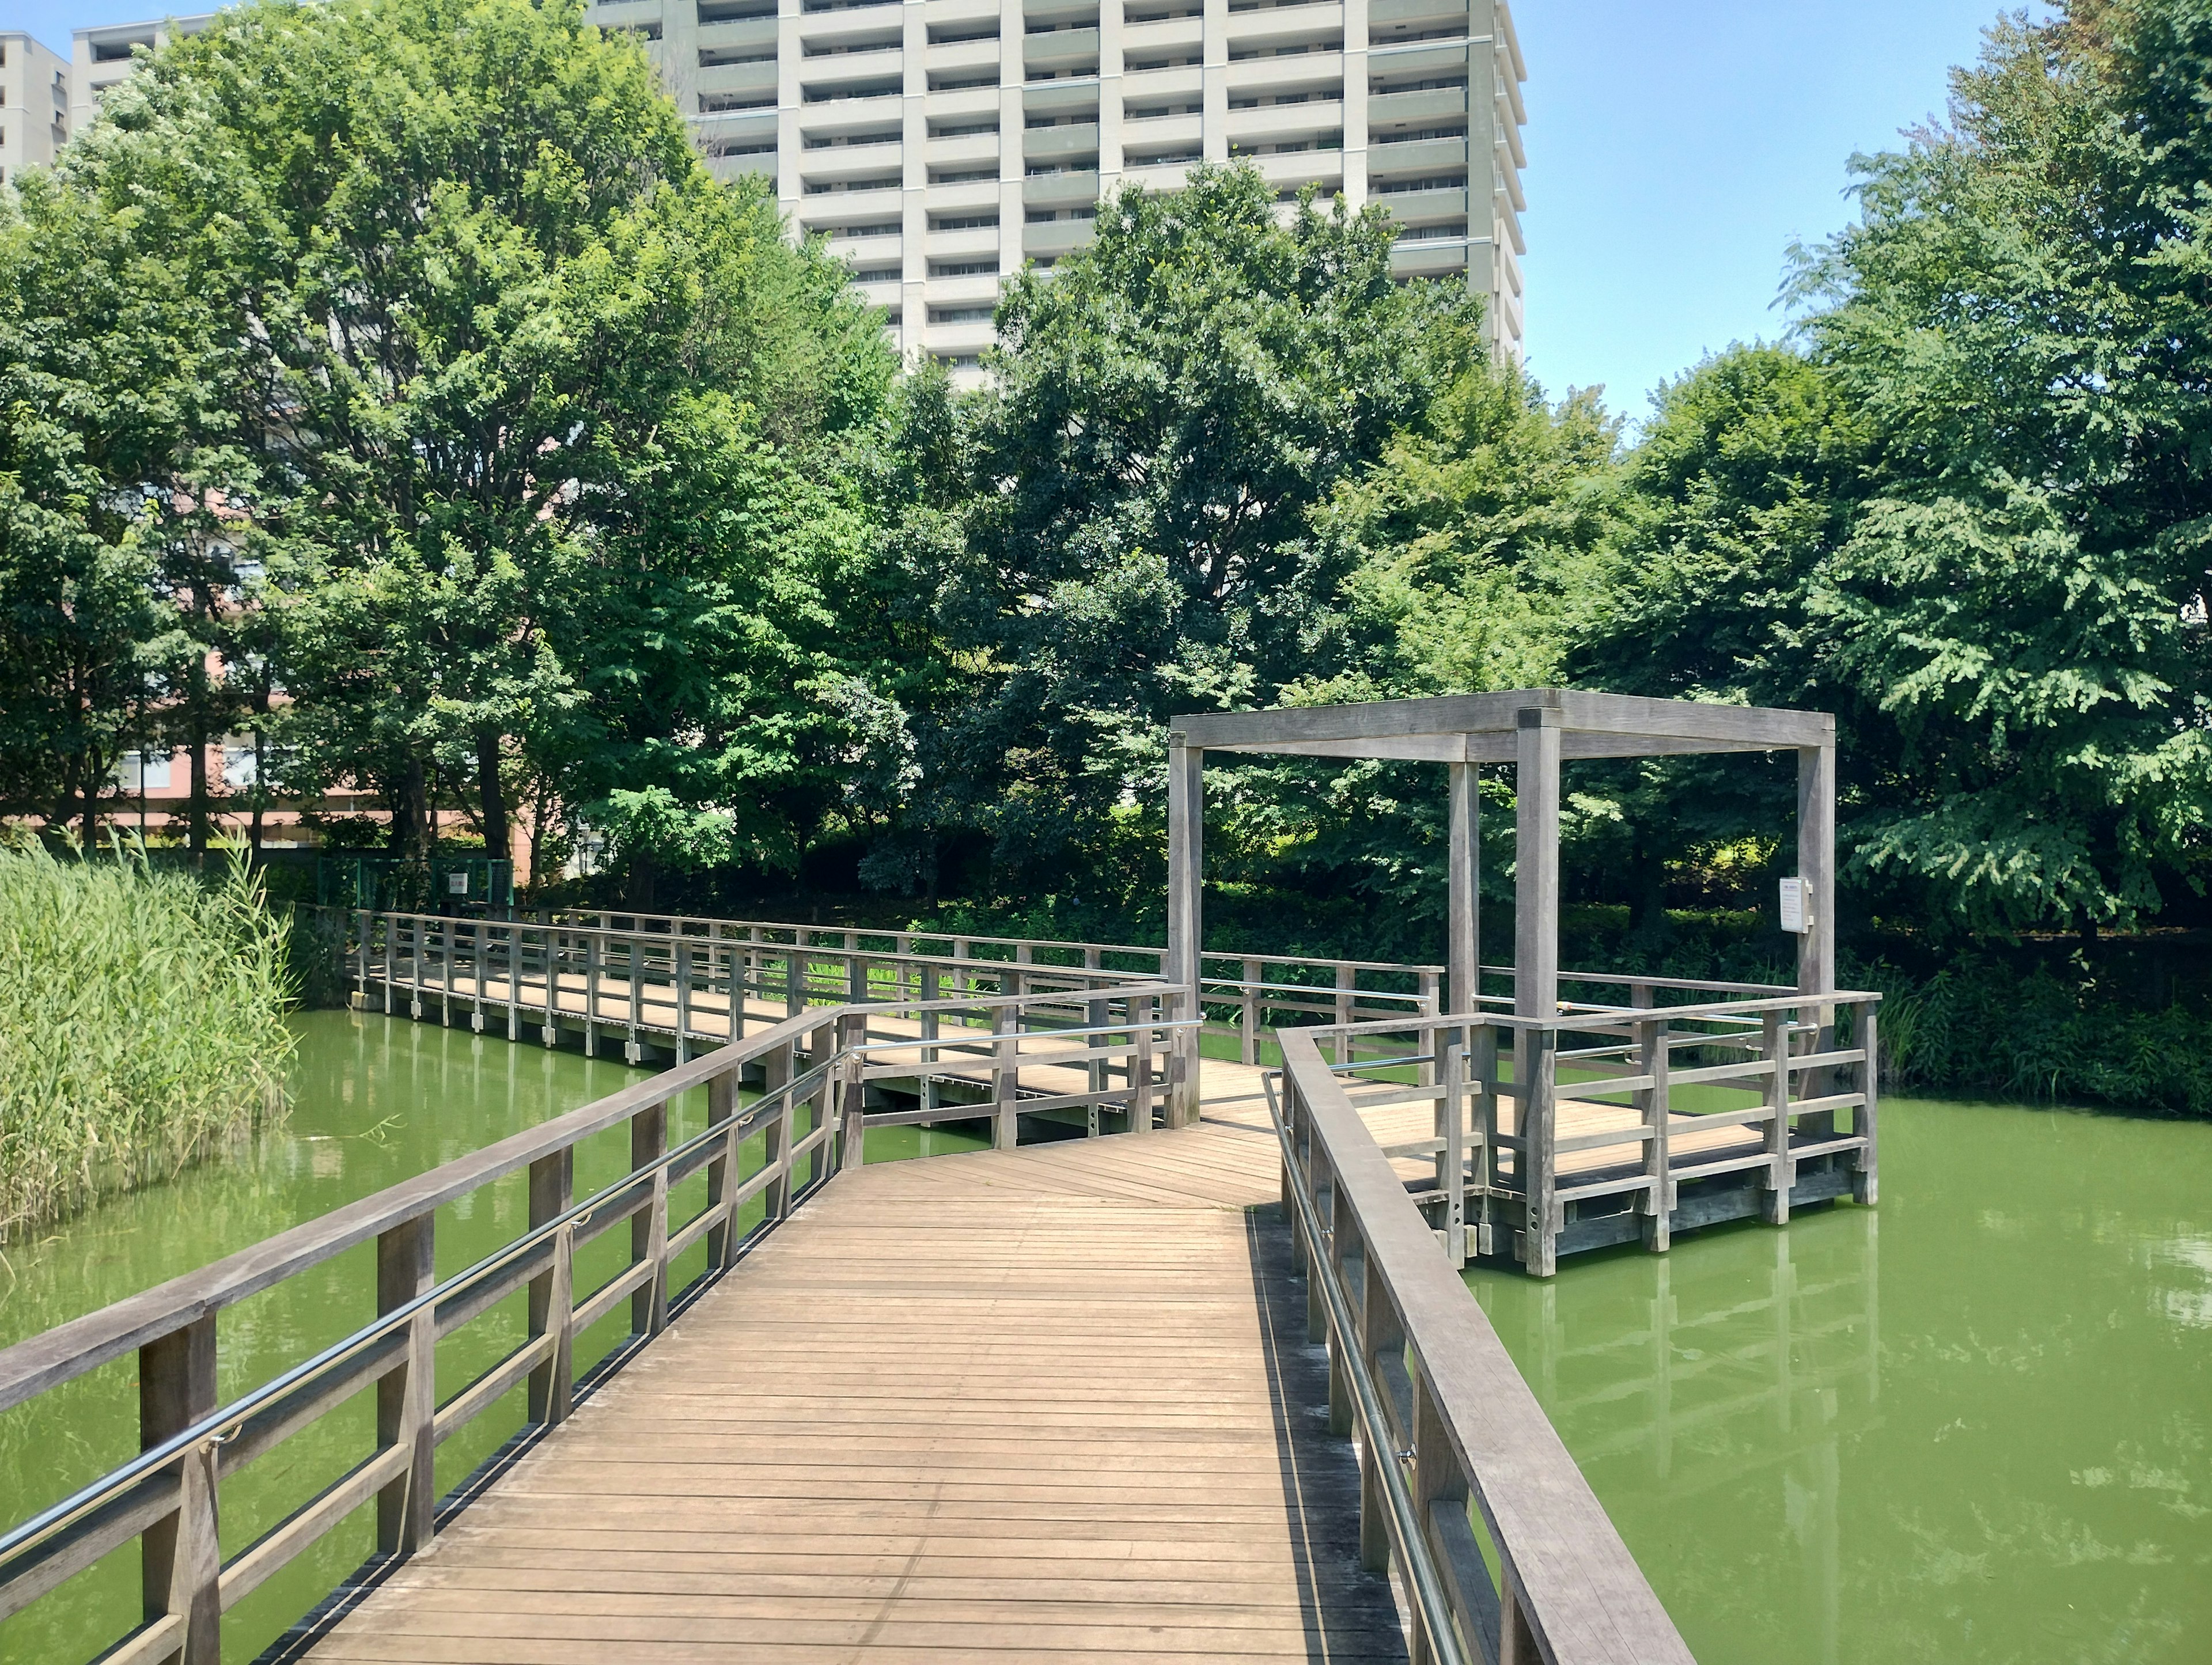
pixel 1674 153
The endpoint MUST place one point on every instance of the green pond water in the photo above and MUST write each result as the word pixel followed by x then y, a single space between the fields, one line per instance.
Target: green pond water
pixel 1973 1424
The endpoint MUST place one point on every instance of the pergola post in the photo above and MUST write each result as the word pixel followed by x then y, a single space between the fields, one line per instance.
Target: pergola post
pixel 1536 861
pixel 1462 906
pixel 1186 861
pixel 1816 866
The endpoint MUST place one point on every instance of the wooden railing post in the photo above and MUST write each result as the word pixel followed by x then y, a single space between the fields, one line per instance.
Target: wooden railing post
pixel 1653 1053
pixel 634 962
pixel 1774 1194
pixel 1005 1079
pixel 1248 1026
pixel 553 1291
pixel 776 1074
pixel 1537 1123
pixel 592 940
pixel 1382 1343
pixel 363 923
pixel 1482 1077
pixel 550 1031
pixel 723 1237
pixel 821 1046
pixel 1451 1128
pixel 648 1230
pixel 1138 1009
pixel 795 976
pixel 852 1090
pixel 513 982
pixel 407 1394
pixel 180 1557
pixel 1865 1183
pixel 1345 980
pixel 683 999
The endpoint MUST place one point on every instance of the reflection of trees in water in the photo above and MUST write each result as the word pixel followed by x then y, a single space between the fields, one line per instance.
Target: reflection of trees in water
pixel 1692 1374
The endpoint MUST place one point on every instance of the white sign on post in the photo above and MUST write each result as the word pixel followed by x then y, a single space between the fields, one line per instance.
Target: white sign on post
pixel 1794 913
pixel 457 884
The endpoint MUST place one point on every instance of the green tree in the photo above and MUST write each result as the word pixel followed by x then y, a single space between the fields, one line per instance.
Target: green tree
pixel 2020 316
pixel 487 322
pixel 1168 407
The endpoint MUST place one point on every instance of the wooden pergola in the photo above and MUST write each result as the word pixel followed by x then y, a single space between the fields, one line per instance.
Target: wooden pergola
pixel 1534 730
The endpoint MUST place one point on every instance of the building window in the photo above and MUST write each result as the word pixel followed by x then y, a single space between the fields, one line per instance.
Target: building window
pixel 962 314
pixel 962 222
pixel 962 268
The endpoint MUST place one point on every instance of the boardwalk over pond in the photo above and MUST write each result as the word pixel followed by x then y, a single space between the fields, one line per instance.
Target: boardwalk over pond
pixel 1055 1403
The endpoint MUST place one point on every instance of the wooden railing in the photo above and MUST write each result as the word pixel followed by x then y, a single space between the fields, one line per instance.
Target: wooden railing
pixel 812 1073
pixel 1506 1556
pixel 1604 1147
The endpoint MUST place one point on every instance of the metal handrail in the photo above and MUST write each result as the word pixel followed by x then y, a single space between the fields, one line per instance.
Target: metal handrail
pixel 69 1509
pixel 1412 1543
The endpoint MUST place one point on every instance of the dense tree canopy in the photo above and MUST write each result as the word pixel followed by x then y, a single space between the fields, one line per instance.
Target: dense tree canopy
pixel 388 377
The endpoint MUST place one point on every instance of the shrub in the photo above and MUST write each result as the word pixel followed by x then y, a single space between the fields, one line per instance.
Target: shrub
pixel 141 1024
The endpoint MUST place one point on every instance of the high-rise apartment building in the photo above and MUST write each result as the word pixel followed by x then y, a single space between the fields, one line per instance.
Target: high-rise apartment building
pixel 102 56
pixel 34 104
pixel 940 143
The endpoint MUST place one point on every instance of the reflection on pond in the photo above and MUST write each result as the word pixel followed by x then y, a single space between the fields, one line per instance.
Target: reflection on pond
pixel 1973 1424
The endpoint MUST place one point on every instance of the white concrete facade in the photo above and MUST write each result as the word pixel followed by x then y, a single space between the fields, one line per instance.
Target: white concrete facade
pixel 34 104
pixel 941 143
pixel 938 144
pixel 101 57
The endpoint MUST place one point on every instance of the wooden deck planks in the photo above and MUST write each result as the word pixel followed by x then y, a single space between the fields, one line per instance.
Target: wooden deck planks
pixel 1051 1404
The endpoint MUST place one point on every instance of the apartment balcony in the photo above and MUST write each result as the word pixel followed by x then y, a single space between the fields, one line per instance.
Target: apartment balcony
pixel 818 29
pixel 735 84
pixel 1276 25
pixel 1427 105
pixel 1054 238
pixel 1159 175
pixel 870 245
pixel 967 335
pixel 938 14
pixel 1161 133
pixel 1290 170
pixel 1064 51
pixel 1039 14
pixel 1419 13
pixel 1049 145
pixel 962 55
pixel 1173 38
pixel 751 34
pixel 970 150
pixel 1414 208
pixel 1272 122
pixel 861 74
pixel 1265 74
pixel 835 210
pixel 977 291
pixel 1438 258
pixel 969 197
pixel 841 163
pixel 974 243
pixel 1061 190
pixel 1414 158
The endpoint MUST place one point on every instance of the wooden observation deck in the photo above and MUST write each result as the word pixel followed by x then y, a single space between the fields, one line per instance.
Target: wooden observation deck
pixel 1210 1387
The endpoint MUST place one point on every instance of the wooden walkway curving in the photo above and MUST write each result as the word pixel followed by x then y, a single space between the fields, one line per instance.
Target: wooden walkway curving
pixel 1053 1403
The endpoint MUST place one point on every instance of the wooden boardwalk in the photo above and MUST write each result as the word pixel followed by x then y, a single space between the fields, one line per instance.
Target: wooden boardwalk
pixel 1055 1403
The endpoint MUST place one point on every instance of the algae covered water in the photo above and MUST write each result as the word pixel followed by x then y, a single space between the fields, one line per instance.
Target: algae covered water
pixel 1973 1424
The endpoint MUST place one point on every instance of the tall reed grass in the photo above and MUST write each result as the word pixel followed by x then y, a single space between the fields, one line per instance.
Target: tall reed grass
pixel 141 1024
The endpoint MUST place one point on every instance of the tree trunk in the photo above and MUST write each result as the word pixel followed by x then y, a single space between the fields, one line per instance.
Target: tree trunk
pixel 408 793
pixel 197 809
pixel 498 844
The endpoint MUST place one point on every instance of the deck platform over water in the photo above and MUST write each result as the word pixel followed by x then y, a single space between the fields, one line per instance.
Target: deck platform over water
pixel 1055 1403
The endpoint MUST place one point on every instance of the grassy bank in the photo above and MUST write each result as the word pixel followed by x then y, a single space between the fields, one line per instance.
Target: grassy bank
pixel 140 1024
